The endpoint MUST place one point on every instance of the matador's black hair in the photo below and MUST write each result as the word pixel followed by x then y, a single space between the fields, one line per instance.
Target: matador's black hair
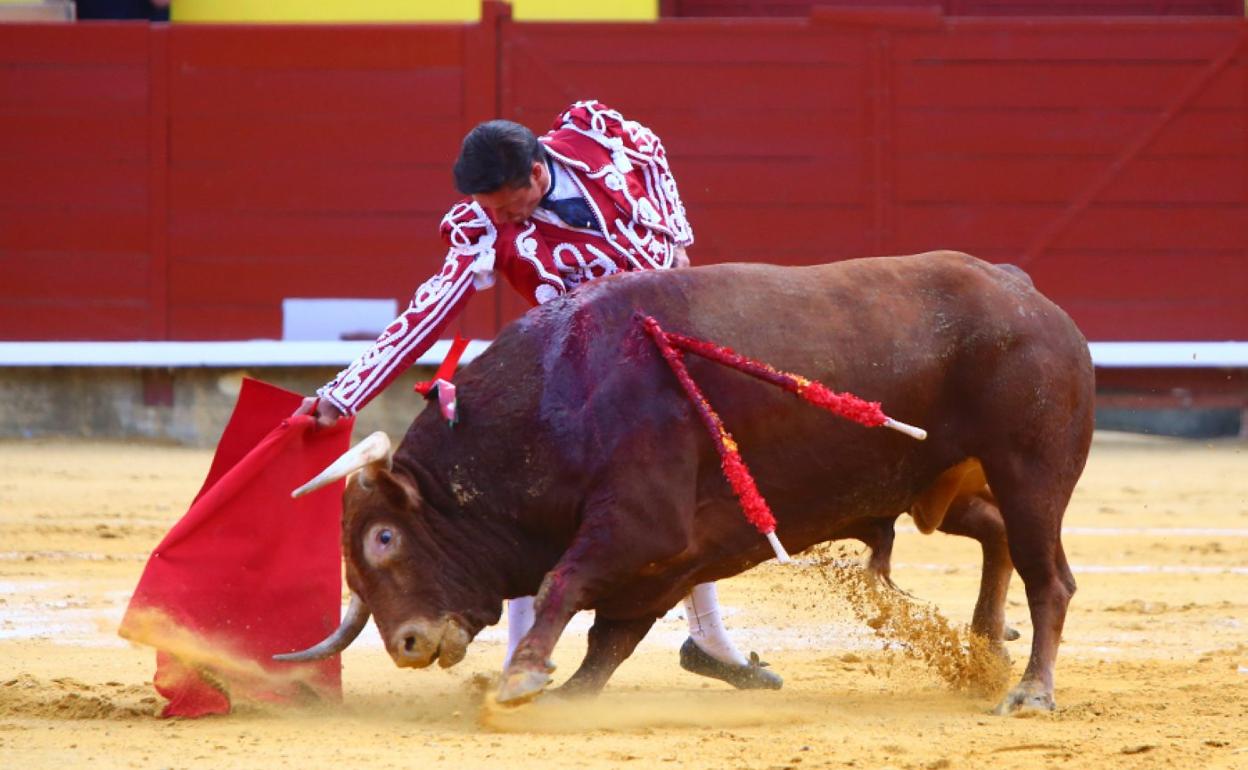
pixel 497 153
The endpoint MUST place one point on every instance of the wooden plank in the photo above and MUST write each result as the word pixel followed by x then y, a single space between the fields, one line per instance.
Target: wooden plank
pixel 1004 229
pixel 317 47
pixel 196 321
pixel 94 44
pixel 308 186
pixel 346 138
pixel 73 90
pixel 1102 41
pixel 802 181
pixel 96 184
pixel 801 132
pixel 1097 8
pixel 1192 228
pixel 57 230
pixel 62 139
pixel 430 93
pixel 82 280
pixel 761 44
pixel 1220 320
pixel 782 234
pixel 1056 178
pixel 238 279
pixel 1028 85
pixel 266 235
pixel 988 130
pixel 58 320
pixel 754 89
pixel 193 321
pixel 802 8
pixel 1120 276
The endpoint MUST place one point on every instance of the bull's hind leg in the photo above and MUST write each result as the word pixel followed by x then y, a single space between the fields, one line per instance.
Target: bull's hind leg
pixel 1032 502
pixel 976 516
pixel 878 535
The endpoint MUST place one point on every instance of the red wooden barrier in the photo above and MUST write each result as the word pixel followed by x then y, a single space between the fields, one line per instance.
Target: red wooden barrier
pixel 1107 158
pixel 765 8
pixel 308 161
pixel 178 182
pixel 74 185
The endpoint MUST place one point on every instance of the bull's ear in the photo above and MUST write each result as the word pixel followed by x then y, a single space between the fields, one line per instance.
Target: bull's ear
pixel 369 474
pixel 400 491
pixel 410 491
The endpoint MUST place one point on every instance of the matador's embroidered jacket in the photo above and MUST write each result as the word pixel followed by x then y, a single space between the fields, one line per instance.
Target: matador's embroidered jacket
pixel 620 169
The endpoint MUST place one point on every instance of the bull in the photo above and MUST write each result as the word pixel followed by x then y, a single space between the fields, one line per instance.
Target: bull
pixel 580 471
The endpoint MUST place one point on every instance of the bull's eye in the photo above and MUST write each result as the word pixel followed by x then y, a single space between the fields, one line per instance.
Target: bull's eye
pixel 381 544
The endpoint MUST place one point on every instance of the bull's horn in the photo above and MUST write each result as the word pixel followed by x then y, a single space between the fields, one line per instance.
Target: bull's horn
pixel 371 450
pixel 352 624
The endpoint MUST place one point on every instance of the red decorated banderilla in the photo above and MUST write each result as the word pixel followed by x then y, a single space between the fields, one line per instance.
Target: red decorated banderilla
pixel 847 405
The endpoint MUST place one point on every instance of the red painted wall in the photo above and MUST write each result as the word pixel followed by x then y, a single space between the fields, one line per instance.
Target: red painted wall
pixel 765 8
pixel 176 182
pixel 1109 159
pixel 307 162
pixel 74 182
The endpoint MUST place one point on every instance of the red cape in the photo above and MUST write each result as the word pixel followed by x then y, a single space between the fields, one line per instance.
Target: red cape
pixel 248 572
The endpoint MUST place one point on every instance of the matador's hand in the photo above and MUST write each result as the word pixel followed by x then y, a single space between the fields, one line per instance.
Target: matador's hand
pixel 326 414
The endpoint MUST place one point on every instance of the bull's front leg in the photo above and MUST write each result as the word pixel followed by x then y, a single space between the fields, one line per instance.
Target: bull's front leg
pixel 607 554
pixel 637 517
pixel 566 589
pixel 559 598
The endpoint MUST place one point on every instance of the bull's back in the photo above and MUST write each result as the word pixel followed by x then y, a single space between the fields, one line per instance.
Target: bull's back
pixel 866 321
pixel 930 336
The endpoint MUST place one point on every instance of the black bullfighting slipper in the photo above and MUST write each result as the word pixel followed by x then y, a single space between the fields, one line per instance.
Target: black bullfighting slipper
pixel 752 676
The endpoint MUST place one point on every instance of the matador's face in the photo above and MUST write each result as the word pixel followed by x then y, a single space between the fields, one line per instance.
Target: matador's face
pixel 516 204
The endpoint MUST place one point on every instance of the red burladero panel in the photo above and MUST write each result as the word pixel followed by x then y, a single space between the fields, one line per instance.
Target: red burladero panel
pixel 1111 168
pixel 74 260
pixel 765 8
pixel 1108 160
pixel 178 182
pixel 308 162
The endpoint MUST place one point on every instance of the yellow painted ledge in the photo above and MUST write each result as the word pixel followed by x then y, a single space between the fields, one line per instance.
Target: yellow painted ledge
pixel 430 11
pixel 585 10
pixel 325 11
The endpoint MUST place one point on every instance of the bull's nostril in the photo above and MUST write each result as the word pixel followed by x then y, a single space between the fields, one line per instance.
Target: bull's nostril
pixel 409 644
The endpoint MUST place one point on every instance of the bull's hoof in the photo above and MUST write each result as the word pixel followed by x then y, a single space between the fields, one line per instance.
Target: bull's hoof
pixel 1010 634
pixel 752 676
pixel 521 687
pixel 1026 698
pixel 886 580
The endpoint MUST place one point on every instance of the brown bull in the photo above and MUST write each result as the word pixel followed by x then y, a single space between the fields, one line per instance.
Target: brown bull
pixel 580 471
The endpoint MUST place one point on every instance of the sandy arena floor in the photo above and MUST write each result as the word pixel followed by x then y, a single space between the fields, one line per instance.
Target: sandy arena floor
pixel 1153 671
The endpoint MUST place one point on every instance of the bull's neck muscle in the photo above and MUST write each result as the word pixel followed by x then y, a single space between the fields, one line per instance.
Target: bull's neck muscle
pixel 482 540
